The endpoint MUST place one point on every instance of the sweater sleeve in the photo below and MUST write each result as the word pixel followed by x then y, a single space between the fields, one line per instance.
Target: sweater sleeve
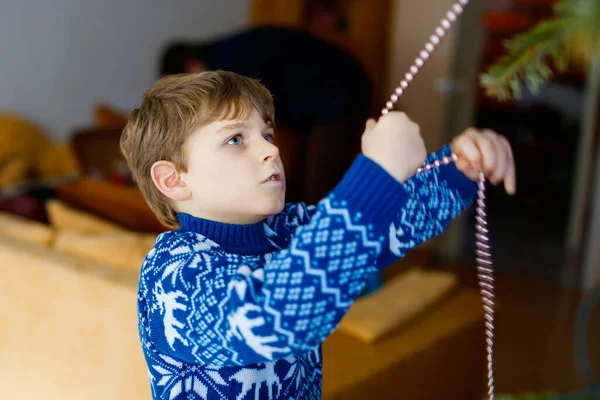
pixel 437 197
pixel 219 309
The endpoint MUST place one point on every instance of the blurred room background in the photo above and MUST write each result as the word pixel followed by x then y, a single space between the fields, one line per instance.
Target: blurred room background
pixel 74 229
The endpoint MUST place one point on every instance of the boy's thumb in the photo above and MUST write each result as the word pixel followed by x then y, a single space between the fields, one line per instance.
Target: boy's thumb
pixel 370 124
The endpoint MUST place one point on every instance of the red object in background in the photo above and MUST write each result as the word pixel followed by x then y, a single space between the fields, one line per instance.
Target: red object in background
pixel 534 3
pixel 507 22
pixel 118 180
pixel 25 206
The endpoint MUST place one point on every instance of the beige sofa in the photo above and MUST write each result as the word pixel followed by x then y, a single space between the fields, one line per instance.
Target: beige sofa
pixel 68 324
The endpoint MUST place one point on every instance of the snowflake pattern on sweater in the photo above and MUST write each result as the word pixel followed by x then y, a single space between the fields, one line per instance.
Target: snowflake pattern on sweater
pixel 240 311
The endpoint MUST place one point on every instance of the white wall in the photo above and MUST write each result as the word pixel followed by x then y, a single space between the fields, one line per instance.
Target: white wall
pixel 59 57
pixel 412 25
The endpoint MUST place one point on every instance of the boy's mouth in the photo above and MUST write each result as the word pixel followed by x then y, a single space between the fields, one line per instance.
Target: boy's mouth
pixel 275 177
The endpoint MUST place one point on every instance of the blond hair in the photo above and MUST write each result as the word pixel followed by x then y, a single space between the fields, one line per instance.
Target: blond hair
pixel 171 110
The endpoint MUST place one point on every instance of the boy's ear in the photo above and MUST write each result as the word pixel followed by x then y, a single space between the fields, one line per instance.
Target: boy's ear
pixel 168 180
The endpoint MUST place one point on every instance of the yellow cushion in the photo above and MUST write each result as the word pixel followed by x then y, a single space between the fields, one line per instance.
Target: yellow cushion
pixel 62 216
pixel 25 230
pixel 120 249
pixel 397 303
pixel 29 153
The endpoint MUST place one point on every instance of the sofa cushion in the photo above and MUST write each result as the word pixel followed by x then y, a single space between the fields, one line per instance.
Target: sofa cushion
pixel 25 230
pixel 62 216
pixel 119 248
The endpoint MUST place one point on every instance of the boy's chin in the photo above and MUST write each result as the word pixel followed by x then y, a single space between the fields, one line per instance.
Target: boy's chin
pixel 274 209
pixel 271 208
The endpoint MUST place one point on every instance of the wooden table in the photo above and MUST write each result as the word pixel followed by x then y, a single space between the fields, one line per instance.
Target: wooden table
pixel 440 356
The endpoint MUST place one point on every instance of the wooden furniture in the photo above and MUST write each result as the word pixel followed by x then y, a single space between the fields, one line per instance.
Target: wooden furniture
pixel 359 26
pixel 123 205
pixel 440 356
pixel 97 151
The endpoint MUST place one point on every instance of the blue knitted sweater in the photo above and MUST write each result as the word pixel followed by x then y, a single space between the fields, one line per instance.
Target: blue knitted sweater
pixel 240 311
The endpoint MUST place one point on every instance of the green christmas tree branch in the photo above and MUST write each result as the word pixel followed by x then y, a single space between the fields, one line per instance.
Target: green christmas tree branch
pixel 573 34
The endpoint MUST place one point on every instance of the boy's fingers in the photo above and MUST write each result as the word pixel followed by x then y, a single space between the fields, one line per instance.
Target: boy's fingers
pixel 486 146
pixel 370 125
pixel 470 171
pixel 505 170
pixel 464 146
pixel 510 180
pixel 497 175
pixel 488 152
pixel 462 163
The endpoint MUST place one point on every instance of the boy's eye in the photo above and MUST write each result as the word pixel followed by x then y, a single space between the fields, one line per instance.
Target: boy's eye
pixel 236 140
pixel 270 137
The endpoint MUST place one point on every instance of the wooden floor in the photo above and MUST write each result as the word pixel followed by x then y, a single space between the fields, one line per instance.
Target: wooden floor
pixel 534 348
pixel 534 331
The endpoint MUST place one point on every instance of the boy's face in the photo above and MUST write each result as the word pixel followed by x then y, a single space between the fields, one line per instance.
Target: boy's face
pixel 234 172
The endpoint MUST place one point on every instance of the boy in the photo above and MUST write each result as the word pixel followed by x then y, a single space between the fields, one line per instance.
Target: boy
pixel 235 302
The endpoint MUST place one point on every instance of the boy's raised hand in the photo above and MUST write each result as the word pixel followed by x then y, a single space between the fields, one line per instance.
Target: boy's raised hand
pixel 488 152
pixel 395 143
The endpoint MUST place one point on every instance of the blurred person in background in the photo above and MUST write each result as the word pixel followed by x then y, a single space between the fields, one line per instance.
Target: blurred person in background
pixel 313 82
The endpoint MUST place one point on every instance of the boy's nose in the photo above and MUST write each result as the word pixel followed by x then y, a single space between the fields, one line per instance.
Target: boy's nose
pixel 269 152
